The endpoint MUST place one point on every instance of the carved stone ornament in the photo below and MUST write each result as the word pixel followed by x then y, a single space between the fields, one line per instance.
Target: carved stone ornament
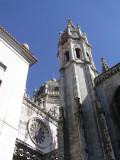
pixel 39 132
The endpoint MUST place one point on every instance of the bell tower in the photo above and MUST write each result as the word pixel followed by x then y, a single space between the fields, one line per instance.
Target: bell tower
pixel 78 131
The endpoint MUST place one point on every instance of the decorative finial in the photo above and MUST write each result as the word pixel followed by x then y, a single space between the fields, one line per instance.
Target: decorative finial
pixel 35 90
pixel 78 26
pixel 53 77
pixel 26 45
pixel 104 67
pixel 60 33
pixel 102 59
pixel 85 36
pixel 84 33
pixel 34 93
pixel 69 20
pixel 79 30
pixel 45 81
pixel 69 26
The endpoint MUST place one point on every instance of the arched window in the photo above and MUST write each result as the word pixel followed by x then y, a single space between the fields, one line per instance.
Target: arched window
pixel 66 56
pixel 78 54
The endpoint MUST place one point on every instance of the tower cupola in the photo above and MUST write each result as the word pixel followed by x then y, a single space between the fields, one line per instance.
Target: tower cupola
pixel 73 46
pixel 71 32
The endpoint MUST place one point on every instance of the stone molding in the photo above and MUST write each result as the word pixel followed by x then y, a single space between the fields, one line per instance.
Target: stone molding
pixel 66 37
pixel 104 134
pixel 23 151
pixel 53 118
pixel 109 73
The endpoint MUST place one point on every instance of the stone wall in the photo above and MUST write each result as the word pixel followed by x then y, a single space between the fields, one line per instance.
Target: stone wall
pixel 106 86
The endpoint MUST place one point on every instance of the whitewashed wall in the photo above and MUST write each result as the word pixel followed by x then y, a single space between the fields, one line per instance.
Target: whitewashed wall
pixel 11 95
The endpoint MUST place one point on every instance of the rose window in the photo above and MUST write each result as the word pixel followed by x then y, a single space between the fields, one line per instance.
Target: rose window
pixel 39 132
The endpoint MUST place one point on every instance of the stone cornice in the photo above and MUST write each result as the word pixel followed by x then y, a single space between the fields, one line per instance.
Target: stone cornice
pixel 73 38
pixel 42 111
pixel 109 73
pixel 24 151
pixel 27 145
pixel 84 62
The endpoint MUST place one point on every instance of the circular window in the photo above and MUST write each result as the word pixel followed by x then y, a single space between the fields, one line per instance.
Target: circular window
pixel 39 132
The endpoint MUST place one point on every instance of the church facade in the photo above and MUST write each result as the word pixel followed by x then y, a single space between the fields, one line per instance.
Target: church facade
pixel 75 118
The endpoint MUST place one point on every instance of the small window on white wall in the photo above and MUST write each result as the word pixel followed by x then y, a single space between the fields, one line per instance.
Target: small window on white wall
pixel 3 67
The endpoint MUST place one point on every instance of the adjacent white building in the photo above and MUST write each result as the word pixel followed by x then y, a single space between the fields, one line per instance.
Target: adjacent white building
pixel 15 59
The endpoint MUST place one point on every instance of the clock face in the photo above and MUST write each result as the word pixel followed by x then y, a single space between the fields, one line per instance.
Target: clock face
pixel 39 132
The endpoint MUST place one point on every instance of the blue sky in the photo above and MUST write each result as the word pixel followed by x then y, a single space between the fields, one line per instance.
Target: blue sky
pixel 37 23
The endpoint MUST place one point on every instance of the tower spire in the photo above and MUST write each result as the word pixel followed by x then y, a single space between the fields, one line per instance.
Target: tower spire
pixel 104 66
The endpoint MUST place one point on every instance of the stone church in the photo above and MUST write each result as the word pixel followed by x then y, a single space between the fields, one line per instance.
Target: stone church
pixel 75 118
